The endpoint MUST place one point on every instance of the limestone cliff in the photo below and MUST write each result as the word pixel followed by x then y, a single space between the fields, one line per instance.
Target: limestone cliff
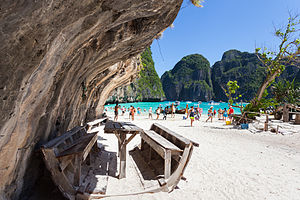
pixel 147 87
pixel 59 61
pixel 189 80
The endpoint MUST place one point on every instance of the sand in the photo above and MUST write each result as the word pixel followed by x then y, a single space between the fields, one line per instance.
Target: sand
pixel 229 163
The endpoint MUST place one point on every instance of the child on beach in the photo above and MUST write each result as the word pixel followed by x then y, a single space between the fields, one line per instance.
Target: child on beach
pixel 192 115
pixel 225 115
pixel 210 114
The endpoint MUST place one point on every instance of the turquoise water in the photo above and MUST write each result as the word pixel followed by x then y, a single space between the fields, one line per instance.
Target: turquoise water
pixel 182 105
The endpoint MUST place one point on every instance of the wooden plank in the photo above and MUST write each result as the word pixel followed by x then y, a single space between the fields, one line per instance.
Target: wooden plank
pixel 89 146
pixel 167 164
pixel 62 138
pixel 109 127
pixel 79 146
pixel 122 172
pixel 156 126
pixel 116 125
pixel 131 137
pixel 159 149
pixel 77 170
pixel 162 141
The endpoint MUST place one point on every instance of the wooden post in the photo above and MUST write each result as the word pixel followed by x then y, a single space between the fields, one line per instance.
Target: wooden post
pixel 77 170
pixel 167 164
pixel 266 123
pixel 285 113
pixel 122 173
pixel 297 119
pixel 150 149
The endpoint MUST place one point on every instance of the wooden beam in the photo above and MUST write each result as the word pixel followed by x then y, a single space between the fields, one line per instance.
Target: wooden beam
pixel 77 170
pixel 122 171
pixel 131 137
pixel 167 164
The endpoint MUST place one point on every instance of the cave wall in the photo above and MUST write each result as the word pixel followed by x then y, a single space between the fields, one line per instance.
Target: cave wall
pixel 59 61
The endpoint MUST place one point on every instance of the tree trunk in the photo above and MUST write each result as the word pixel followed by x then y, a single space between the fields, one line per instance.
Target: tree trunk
pixel 263 86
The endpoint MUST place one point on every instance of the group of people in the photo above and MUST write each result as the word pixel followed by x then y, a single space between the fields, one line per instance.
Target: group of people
pixel 222 114
pixel 192 112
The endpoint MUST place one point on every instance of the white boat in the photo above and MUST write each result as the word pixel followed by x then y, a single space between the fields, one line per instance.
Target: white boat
pixel 212 103
pixel 177 103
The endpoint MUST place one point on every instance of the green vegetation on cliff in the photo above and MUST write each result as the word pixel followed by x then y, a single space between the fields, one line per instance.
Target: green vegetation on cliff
pixel 189 79
pixel 147 87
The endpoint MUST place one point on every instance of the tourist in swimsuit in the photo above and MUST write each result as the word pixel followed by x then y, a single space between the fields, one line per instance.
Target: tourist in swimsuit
pixel 225 115
pixel 210 114
pixel 116 112
pixel 187 110
pixel 230 113
pixel 157 112
pixel 132 113
pixel 192 115
pixel 173 110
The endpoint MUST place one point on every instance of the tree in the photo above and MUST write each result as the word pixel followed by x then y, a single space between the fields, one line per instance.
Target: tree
pixel 197 3
pixel 231 93
pixel 287 54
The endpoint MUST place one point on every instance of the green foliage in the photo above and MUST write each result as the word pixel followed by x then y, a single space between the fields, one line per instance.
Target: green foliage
pixel 148 84
pixel 232 87
pixel 286 92
pixel 288 53
pixel 197 3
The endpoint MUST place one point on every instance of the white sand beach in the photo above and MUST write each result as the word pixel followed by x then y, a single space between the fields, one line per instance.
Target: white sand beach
pixel 229 163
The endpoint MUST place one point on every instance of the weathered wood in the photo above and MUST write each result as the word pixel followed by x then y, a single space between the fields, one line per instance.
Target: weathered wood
pixel 285 113
pixel 167 164
pixel 179 138
pixel 131 137
pixel 77 170
pixel 297 119
pixel 122 172
pixel 161 141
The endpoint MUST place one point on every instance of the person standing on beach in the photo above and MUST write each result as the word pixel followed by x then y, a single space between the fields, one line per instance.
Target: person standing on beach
pixel 165 112
pixel 157 113
pixel 192 115
pixel 187 110
pixel 116 112
pixel 150 112
pixel 130 109
pixel 230 113
pixel 172 111
pixel 225 115
pixel 210 114
pixel 132 113
pixel 219 113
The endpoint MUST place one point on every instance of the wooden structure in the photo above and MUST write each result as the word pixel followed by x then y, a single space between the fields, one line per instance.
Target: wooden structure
pixel 96 123
pixel 64 156
pixel 121 129
pixel 171 147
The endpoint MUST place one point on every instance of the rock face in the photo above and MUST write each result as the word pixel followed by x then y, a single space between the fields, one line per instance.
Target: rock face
pixel 243 67
pixel 190 79
pixel 59 61
pixel 247 70
pixel 147 87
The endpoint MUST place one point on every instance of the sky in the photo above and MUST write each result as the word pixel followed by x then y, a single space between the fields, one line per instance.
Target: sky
pixel 219 26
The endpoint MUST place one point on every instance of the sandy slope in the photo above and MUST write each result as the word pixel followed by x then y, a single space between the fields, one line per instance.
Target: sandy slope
pixel 229 163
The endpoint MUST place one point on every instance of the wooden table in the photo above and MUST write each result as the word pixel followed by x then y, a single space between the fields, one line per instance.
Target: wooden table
pixel 121 129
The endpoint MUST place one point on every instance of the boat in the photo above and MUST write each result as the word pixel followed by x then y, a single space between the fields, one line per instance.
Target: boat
pixel 212 103
pixel 199 102
pixel 177 103
pixel 188 102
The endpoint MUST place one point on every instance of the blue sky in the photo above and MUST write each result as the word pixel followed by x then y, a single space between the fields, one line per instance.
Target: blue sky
pixel 219 26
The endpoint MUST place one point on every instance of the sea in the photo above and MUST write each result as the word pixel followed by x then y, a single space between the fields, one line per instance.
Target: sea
pixel 182 104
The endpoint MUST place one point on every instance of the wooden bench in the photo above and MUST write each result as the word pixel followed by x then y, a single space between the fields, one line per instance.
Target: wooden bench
pixel 69 151
pixel 96 122
pixel 168 144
